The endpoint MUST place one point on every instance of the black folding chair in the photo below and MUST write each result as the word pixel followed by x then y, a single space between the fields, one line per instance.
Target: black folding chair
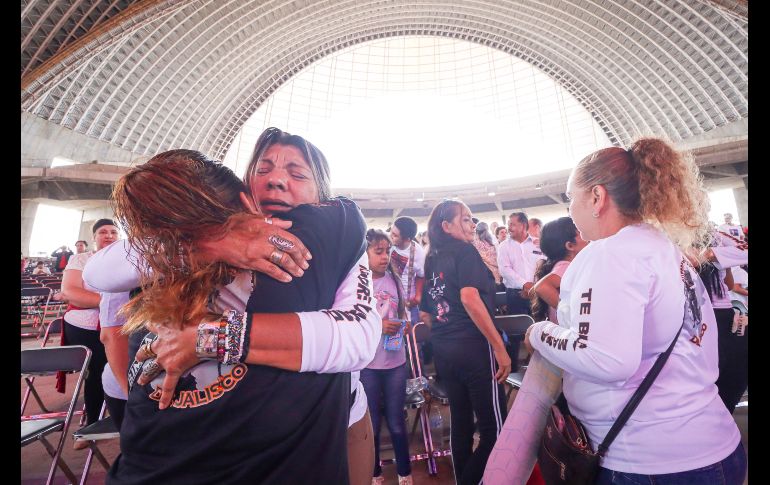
pixel 515 327
pixel 47 361
pixel 104 429
pixel 34 304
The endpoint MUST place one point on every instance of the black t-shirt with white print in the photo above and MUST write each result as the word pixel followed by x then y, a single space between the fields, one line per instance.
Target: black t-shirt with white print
pixel 458 265
pixel 255 424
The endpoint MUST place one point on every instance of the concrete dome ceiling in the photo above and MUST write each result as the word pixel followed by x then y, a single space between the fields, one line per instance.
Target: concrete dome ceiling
pixel 152 75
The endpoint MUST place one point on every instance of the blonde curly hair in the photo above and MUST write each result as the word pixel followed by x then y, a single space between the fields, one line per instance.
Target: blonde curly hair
pixel 653 183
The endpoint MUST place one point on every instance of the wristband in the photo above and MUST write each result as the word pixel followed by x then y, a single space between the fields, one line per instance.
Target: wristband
pixel 207 342
pixel 233 341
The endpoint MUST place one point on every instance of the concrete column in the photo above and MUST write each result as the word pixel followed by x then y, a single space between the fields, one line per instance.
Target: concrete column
pixel 28 212
pixel 741 195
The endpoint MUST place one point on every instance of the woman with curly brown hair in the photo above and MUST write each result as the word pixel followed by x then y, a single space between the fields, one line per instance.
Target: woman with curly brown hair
pixel 625 299
pixel 242 410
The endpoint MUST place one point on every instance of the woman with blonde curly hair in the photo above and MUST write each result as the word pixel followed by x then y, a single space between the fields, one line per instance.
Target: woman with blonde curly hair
pixel 624 300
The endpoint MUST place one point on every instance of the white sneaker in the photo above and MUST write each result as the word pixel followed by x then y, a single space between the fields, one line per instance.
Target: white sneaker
pixel 407 480
pixel 378 480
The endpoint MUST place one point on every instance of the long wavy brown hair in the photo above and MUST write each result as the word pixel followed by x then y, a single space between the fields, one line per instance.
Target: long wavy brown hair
pixel 164 205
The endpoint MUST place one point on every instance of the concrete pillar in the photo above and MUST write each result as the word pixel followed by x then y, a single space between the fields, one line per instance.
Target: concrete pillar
pixel 28 212
pixel 741 195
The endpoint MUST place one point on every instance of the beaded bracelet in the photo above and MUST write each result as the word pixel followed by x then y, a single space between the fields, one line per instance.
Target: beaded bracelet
pixel 207 341
pixel 222 340
pixel 236 330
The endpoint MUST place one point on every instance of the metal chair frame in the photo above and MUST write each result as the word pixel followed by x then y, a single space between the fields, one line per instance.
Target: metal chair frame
pixel 514 325
pixel 47 361
pixel 103 429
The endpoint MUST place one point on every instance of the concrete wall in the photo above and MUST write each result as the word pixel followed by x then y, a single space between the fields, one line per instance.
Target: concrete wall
pixel 28 212
pixel 42 140
pixel 741 195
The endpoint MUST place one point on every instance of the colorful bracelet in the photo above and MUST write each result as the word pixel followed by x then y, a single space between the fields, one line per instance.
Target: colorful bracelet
pixel 234 337
pixel 207 342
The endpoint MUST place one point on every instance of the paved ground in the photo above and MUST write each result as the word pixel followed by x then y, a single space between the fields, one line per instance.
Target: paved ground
pixel 35 461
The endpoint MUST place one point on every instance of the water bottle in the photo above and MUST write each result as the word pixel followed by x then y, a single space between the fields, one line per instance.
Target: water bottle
pixel 436 426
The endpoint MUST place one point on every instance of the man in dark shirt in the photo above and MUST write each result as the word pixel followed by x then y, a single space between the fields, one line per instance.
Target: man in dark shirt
pixel 62 256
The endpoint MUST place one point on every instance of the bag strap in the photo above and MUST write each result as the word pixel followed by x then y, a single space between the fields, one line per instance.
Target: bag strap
pixel 637 397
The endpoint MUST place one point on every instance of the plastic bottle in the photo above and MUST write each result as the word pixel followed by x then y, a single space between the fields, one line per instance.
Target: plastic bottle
pixel 436 426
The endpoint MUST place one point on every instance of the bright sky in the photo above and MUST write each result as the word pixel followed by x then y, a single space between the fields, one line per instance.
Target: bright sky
pixel 426 112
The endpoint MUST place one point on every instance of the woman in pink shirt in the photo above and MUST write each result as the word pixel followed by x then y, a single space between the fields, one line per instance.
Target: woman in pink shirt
pixel 560 241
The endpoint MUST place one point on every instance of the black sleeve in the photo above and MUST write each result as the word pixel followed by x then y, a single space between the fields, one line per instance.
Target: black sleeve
pixel 334 233
pixel 425 302
pixel 471 270
pixel 336 229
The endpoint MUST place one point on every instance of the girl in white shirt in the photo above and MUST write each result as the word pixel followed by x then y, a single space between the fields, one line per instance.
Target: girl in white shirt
pixel 623 299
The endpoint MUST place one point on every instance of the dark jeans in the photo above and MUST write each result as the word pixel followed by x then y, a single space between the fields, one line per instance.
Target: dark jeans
pixel 117 409
pixel 93 392
pixel 467 370
pixel 516 304
pixel 387 387
pixel 733 359
pixel 730 471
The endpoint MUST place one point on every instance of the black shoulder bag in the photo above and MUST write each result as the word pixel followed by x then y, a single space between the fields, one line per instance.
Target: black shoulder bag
pixel 565 454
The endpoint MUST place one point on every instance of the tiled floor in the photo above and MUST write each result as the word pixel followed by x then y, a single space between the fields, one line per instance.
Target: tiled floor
pixel 35 461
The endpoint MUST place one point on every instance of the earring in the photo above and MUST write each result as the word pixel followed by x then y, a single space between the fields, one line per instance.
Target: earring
pixel 595 215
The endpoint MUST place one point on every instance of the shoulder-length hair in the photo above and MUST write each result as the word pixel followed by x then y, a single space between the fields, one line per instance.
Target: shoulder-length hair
pixel 165 205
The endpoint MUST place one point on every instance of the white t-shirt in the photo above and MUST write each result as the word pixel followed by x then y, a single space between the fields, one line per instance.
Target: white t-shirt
pixel 735 230
pixel 740 277
pixel 730 251
pixel 87 319
pixel 623 298
pixel 400 262
pixel 109 306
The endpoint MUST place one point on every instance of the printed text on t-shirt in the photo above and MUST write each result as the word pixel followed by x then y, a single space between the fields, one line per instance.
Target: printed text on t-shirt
pixel 359 310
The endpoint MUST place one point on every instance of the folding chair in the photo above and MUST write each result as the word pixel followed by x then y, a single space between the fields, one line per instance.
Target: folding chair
pixel 48 361
pixel 514 326
pixel 51 329
pixel 55 308
pixel 104 429
pixel 34 304
pixel 421 333
pixel 500 302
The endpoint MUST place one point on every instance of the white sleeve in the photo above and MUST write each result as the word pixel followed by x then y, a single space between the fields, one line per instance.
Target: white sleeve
pixel 603 338
pixel 504 264
pixel 345 337
pixel 419 261
pixel 109 305
pixel 510 257
pixel 730 251
pixel 113 269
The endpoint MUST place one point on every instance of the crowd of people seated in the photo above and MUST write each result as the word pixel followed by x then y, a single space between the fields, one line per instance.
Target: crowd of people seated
pixel 246 325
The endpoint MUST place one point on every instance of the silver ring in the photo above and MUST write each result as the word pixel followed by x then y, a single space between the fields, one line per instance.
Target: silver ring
pixel 276 256
pixel 280 243
pixel 151 368
pixel 269 220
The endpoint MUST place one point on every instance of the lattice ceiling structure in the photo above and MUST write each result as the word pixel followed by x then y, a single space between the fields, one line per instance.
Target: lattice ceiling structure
pixel 151 75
